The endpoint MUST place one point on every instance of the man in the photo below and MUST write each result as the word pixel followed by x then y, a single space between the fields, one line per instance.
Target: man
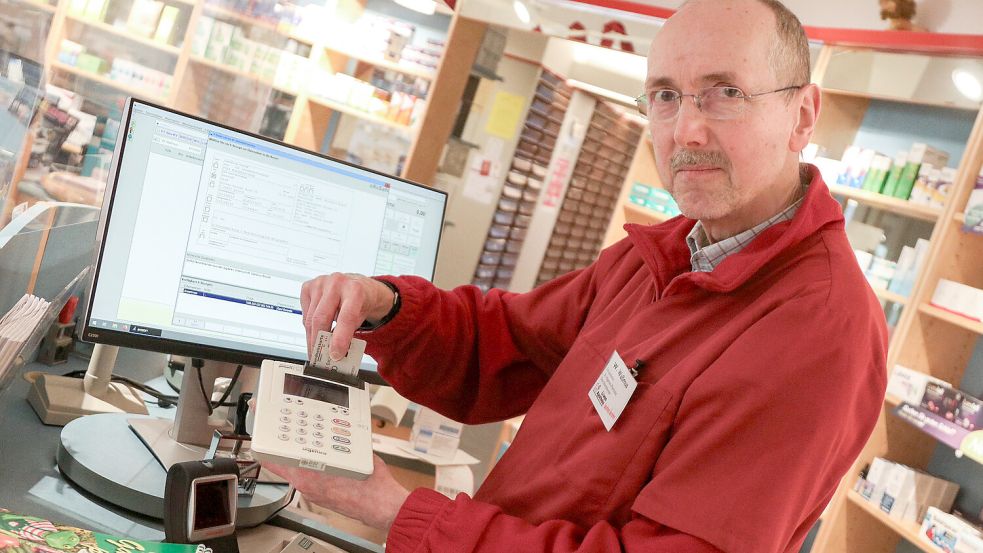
pixel 760 349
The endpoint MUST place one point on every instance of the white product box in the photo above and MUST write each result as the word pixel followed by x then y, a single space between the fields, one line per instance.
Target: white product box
pixel 949 532
pixel 959 298
pixel 969 543
pixel 435 434
pixel 876 479
pixel 909 385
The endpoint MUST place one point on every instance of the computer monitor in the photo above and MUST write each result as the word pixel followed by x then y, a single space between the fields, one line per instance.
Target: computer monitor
pixel 207 234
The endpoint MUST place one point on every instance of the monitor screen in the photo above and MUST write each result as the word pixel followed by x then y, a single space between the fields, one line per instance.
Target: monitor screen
pixel 207 234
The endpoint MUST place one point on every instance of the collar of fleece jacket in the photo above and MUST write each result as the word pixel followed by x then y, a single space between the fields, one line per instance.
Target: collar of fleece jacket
pixel 664 251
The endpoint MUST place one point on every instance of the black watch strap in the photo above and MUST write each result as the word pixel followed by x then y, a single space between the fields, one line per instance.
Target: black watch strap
pixel 397 303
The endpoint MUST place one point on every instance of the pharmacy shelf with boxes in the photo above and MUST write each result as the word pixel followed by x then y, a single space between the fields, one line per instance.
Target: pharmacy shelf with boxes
pixel 264 66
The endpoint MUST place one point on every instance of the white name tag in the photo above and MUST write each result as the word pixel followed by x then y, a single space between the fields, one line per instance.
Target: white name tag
pixel 613 389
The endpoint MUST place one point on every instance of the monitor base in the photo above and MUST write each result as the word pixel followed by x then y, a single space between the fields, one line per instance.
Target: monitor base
pixel 58 400
pixel 103 455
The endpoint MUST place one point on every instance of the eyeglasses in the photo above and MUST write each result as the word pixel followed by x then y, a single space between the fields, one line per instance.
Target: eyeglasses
pixel 715 102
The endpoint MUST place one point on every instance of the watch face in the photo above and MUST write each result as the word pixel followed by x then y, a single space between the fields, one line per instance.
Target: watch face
pixel 213 504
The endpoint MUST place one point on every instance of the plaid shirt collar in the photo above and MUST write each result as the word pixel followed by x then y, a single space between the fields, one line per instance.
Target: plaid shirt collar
pixel 704 256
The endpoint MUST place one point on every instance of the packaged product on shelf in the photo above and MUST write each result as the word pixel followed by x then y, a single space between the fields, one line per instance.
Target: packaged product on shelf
pixel 166 25
pixel 941 399
pixel 959 298
pixel 909 493
pixel 239 54
pixel 91 63
pixel 894 175
pixel 77 7
pixel 857 171
pixel 974 207
pixel 143 16
pixel 909 385
pixel 69 52
pixel 969 543
pixel 920 153
pixel 291 71
pixel 969 414
pixel 846 163
pixel 218 40
pixel 948 532
pixel 920 190
pixel 879 168
pixel 909 266
pixel 873 487
pixel 941 187
pixel 95 10
pixel 203 31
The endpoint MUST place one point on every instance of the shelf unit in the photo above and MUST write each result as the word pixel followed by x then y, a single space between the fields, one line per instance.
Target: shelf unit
pixel 890 296
pixel 887 203
pixel 199 83
pixel 952 318
pixel 105 80
pixel 907 530
pixel 125 34
pixel 926 338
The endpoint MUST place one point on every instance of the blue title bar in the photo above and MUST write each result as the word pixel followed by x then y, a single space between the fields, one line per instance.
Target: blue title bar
pixel 242 301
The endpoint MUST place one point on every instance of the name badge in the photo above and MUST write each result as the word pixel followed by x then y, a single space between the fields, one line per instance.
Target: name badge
pixel 611 392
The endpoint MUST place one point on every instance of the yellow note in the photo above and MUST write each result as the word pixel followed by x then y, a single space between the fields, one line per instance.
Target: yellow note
pixel 505 115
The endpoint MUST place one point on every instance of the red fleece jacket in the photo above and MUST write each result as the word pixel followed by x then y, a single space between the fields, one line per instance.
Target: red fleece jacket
pixel 762 381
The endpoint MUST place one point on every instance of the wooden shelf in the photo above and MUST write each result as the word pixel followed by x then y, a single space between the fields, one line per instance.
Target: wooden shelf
pixel 383 63
pixel 126 34
pixel 887 203
pixel 911 101
pixel 907 530
pixel 643 216
pixel 102 79
pixel 226 13
pixel 43 6
pixel 890 296
pixel 952 318
pixel 893 401
pixel 353 111
pixel 960 218
pixel 238 72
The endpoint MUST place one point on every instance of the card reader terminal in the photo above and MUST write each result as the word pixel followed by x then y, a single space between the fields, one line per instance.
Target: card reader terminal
pixel 311 422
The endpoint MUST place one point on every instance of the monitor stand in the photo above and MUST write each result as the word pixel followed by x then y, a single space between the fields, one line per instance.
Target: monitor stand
pixel 124 458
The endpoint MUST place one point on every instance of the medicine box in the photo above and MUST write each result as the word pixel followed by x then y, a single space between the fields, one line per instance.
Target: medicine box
pixel 908 385
pixel 969 414
pixel 435 434
pixel 950 533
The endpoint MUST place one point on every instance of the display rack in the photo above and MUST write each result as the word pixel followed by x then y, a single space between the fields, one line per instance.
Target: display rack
pixel 926 338
pixel 209 86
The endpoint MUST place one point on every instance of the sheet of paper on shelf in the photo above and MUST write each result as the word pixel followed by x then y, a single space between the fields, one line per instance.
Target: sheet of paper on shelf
pixel 401 448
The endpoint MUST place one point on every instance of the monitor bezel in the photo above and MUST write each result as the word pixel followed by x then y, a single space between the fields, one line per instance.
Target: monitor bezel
pixel 180 347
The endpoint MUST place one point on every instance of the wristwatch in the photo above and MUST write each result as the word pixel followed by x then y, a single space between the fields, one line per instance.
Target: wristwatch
pixel 366 326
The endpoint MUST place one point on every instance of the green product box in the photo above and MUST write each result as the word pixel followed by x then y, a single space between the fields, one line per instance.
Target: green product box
pixel 640 189
pixel 894 176
pixel 637 200
pixel 90 63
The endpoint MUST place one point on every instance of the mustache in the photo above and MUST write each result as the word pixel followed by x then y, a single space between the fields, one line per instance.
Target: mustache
pixel 690 158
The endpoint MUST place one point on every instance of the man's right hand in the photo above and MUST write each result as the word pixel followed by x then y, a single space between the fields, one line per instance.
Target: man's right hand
pixel 349 299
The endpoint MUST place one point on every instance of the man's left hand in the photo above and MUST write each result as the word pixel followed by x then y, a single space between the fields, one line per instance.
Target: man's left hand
pixel 374 501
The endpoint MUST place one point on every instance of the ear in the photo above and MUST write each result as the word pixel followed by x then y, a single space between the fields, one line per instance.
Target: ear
pixel 808 106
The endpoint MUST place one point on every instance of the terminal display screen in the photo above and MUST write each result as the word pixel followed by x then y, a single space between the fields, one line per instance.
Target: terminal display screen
pixel 207 234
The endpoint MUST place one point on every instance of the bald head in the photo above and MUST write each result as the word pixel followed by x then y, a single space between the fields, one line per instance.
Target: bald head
pixel 789 53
